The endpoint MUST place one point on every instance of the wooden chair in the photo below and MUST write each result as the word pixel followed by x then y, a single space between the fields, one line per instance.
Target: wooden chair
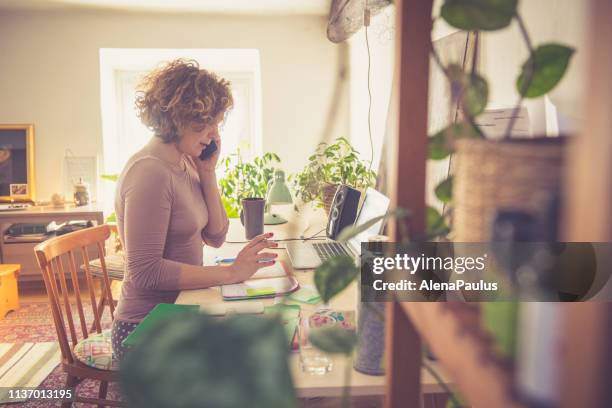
pixel 52 256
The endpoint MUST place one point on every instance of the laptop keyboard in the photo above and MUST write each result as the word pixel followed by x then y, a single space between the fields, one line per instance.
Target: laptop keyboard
pixel 326 250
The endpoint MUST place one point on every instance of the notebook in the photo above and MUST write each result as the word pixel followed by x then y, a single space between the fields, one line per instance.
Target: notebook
pixel 267 282
pixel 290 316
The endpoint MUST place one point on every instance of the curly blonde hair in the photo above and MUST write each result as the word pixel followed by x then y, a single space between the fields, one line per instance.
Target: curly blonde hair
pixel 179 93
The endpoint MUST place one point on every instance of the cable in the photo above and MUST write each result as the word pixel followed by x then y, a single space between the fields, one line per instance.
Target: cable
pixel 366 23
pixel 313 237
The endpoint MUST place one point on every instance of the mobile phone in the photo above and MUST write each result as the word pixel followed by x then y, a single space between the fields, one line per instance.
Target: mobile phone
pixel 208 151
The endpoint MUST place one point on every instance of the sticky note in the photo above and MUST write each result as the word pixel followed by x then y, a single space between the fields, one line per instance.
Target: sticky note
pixel 306 295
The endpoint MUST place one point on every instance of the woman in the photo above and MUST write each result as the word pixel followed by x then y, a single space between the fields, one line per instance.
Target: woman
pixel 167 201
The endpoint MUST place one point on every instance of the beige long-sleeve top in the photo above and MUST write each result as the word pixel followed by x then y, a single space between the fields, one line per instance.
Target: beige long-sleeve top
pixel 161 218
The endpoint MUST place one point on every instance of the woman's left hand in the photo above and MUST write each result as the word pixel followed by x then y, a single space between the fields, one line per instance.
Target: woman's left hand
pixel 210 164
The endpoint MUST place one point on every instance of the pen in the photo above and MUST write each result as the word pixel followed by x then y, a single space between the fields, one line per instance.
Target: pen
pixel 228 260
pixel 224 260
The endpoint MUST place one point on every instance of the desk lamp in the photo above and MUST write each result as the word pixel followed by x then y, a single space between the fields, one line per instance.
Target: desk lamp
pixel 278 193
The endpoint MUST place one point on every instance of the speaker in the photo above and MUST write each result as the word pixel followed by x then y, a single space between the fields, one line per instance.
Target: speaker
pixel 343 211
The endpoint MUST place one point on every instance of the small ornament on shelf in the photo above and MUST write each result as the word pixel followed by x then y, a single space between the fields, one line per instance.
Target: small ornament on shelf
pixel 81 193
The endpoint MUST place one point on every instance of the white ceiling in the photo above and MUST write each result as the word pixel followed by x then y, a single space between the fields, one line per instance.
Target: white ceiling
pixel 308 7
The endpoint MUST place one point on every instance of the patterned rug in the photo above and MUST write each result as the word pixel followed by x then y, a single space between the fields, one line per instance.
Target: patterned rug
pixel 33 323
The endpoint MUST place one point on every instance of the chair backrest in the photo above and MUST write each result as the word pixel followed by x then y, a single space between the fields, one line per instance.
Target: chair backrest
pixel 52 255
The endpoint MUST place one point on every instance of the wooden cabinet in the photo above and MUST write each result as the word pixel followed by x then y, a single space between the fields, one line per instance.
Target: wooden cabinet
pixel 9 299
pixel 22 253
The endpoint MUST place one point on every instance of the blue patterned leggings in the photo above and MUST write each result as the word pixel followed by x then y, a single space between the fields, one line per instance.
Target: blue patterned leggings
pixel 119 332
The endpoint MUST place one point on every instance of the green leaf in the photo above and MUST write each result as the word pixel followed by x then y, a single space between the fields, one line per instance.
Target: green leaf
pixel 482 15
pixel 111 218
pixel 441 144
pixel 475 94
pixel 470 88
pixel 444 190
pixel 438 148
pixel 436 224
pixel 229 208
pixel 546 66
pixel 110 177
pixel 334 275
pixel 333 340
pixel 195 355
pixel 353 230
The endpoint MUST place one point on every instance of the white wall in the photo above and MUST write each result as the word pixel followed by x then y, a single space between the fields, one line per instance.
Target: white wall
pixel 503 53
pixel 49 75
pixel 381 36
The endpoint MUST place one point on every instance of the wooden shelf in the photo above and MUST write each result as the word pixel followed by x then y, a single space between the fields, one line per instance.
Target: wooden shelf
pixel 21 252
pixel 24 240
pixel 452 332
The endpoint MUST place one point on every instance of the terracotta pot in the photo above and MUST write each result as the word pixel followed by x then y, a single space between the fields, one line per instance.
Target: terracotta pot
pixel 329 191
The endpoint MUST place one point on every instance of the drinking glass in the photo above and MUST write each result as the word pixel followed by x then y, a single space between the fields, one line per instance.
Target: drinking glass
pixel 312 360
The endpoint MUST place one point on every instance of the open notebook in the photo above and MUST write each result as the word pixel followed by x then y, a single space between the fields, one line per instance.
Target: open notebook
pixel 267 282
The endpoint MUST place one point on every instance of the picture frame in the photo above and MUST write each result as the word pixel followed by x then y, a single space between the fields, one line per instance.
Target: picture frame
pixel 17 163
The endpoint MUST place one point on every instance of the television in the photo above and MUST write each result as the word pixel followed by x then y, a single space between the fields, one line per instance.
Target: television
pixel 17 163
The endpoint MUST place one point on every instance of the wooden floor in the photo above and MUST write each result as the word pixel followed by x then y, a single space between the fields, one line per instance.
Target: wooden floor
pixel 32 293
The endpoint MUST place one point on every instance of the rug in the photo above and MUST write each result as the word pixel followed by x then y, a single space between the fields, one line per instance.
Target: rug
pixel 25 365
pixel 33 323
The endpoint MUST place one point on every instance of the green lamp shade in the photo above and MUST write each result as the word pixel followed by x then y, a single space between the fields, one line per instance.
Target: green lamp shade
pixel 278 193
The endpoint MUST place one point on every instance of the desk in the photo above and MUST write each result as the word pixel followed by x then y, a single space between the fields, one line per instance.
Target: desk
pixel 306 385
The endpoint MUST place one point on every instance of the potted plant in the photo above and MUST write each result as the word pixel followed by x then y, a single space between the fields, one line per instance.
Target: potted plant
pixel 245 179
pixel 331 165
pixel 532 164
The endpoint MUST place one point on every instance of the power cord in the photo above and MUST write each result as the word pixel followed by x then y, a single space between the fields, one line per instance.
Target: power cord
pixel 314 237
pixel 366 24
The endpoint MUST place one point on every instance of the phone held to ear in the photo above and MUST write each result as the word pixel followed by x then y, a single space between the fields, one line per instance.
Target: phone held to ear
pixel 209 150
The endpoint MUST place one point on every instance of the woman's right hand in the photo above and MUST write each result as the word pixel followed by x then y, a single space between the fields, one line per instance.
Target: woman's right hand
pixel 249 260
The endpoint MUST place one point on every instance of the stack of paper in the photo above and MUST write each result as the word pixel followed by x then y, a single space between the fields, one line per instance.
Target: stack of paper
pixel 267 282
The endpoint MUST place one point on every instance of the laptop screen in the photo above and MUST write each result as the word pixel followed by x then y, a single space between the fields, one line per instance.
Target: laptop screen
pixel 374 205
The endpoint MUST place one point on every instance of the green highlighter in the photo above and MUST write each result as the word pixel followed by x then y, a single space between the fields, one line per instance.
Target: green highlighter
pixel 266 291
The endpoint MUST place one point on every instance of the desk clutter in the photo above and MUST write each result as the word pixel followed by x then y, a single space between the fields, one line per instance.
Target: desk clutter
pixel 289 314
pixel 37 232
pixel 271 281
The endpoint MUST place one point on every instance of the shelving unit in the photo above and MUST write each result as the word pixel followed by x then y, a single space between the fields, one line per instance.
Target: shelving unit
pixel 452 330
pixel 23 252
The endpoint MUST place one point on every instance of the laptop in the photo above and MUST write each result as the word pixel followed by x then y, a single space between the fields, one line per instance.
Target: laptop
pixel 309 255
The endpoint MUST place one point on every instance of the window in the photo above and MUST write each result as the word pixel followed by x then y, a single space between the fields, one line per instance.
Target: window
pixel 122 132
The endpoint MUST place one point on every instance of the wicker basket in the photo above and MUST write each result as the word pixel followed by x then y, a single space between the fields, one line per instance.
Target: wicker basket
pixel 520 174
pixel 328 193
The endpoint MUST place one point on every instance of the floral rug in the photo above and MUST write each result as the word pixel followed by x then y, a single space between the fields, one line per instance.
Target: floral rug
pixel 33 323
